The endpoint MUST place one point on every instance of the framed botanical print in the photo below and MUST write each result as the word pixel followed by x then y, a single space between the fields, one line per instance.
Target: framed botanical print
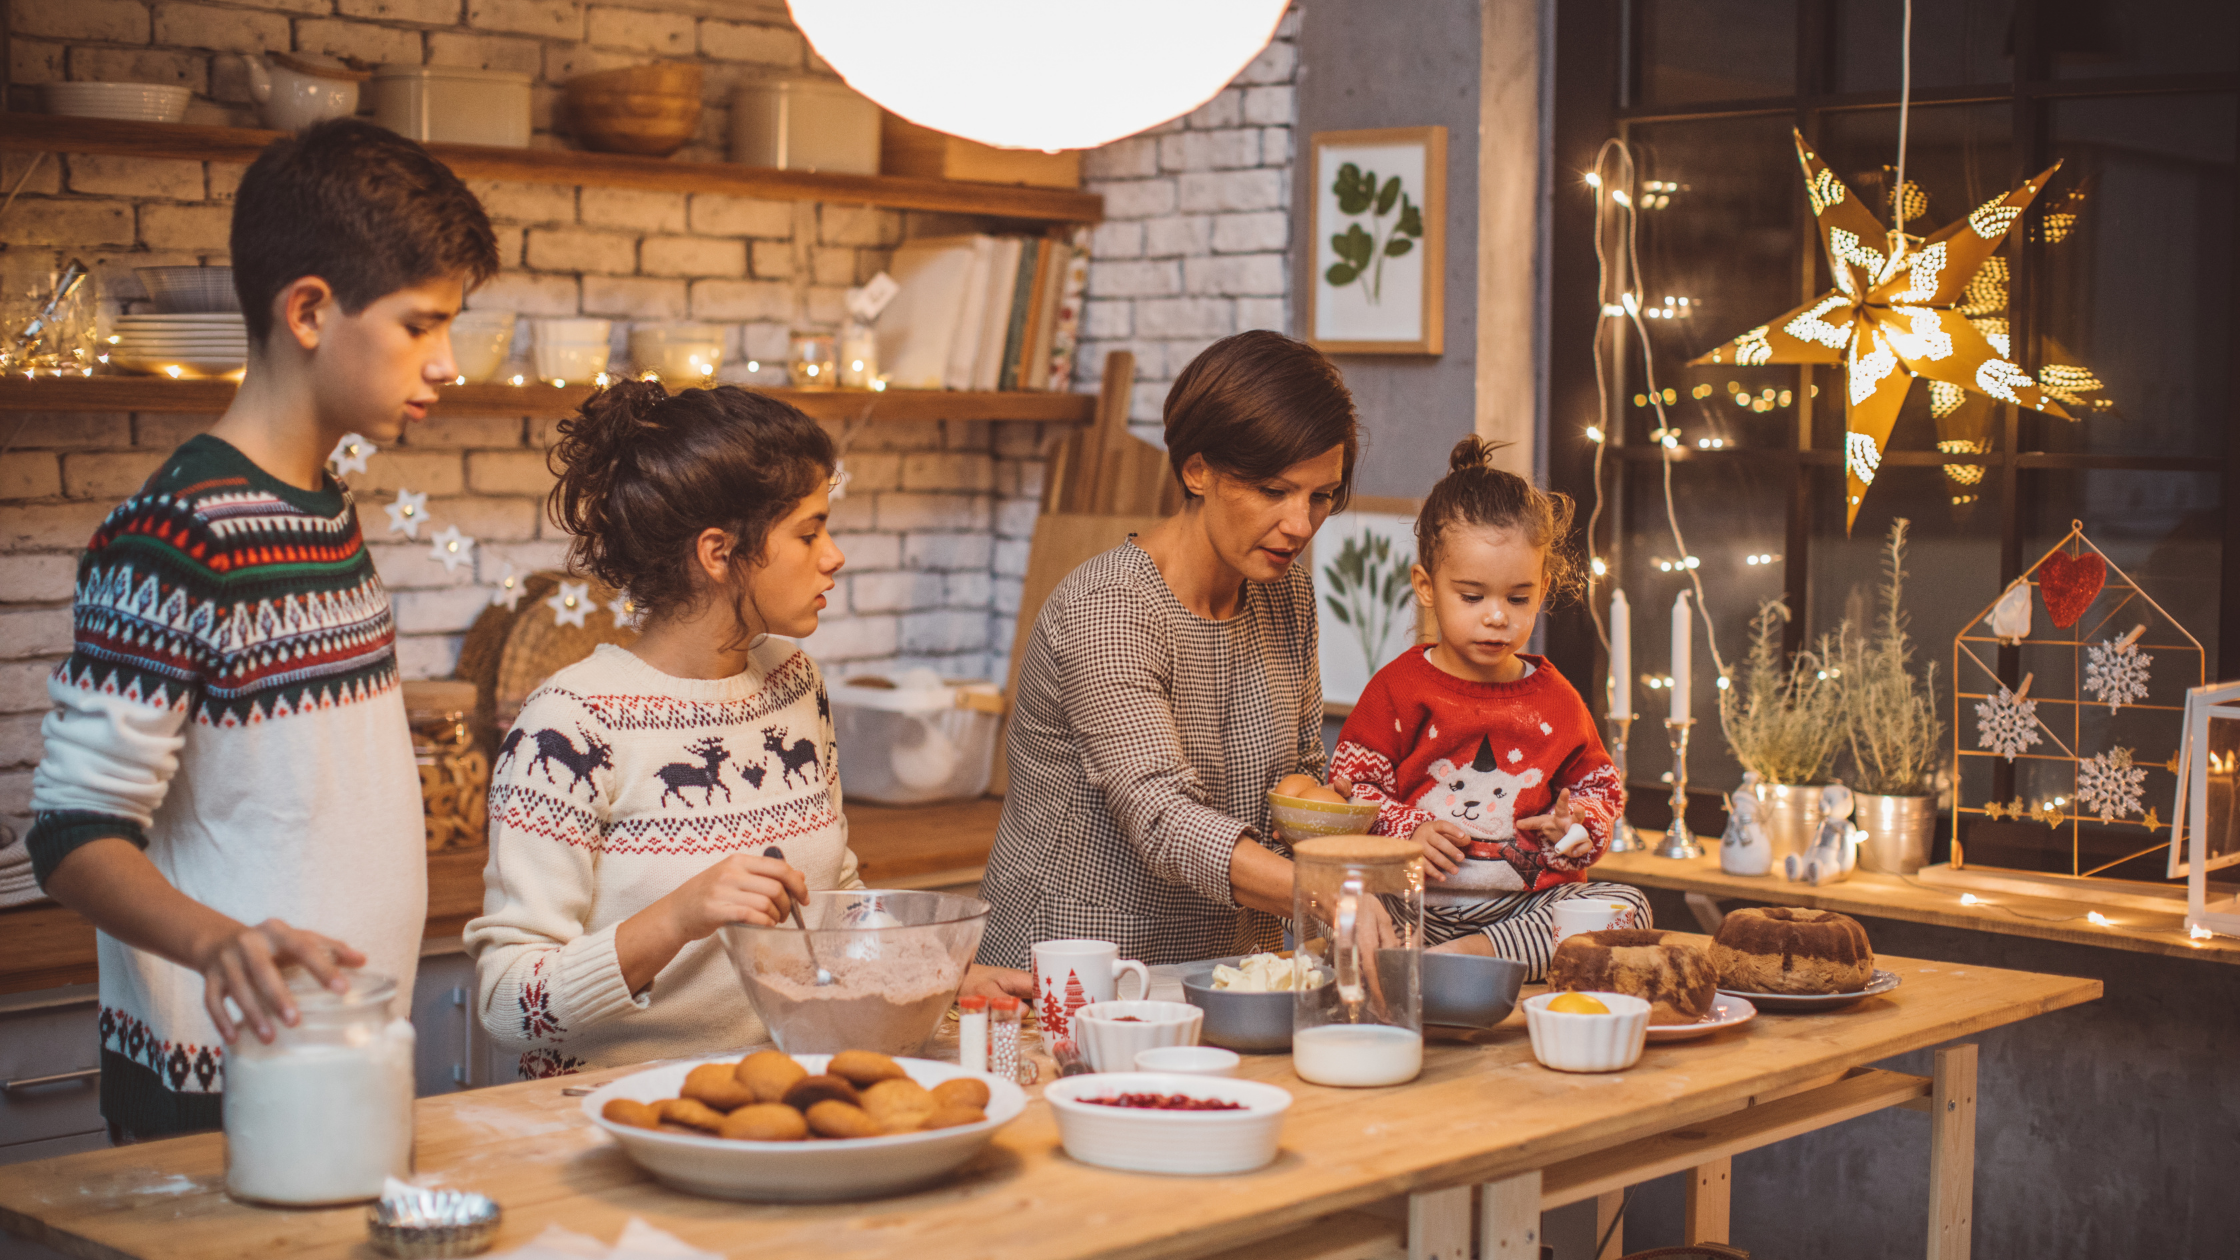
pixel 1377 222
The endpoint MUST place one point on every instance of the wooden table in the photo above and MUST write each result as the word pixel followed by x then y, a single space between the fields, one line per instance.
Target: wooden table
pixel 1482 1114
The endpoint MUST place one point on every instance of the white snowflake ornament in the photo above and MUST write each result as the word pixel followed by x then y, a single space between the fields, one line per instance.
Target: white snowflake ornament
pixel 349 454
pixel 507 593
pixel 453 548
pixel 2006 723
pixel 2116 671
pixel 406 514
pixel 2110 784
pixel 570 603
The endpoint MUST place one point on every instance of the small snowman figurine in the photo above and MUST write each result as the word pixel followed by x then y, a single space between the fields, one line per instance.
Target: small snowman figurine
pixel 1835 847
pixel 1744 849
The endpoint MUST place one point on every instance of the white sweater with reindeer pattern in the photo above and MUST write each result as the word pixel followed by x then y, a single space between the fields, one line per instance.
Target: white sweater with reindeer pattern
pixel 616 784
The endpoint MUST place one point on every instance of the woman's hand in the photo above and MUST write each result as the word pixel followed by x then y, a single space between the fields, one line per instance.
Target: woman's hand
pixel 742 888
pixel 1443 845
pixel 243 964
pixel 995 982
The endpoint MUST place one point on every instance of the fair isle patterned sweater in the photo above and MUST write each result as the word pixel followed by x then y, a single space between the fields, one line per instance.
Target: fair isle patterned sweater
pixel 1425 745
pixel 230 704
pixel 616 784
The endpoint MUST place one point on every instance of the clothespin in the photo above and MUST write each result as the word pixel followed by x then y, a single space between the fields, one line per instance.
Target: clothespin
pixel 2024 689
pixel 2124 644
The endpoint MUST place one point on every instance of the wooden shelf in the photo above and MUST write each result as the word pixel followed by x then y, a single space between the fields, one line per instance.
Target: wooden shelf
pixel 153 393
pixel 58 134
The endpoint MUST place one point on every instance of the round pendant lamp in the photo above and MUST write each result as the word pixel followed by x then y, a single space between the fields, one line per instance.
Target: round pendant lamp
pixel 1038 74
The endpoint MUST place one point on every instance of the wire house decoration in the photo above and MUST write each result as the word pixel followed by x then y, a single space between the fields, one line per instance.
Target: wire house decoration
pixel 2066 736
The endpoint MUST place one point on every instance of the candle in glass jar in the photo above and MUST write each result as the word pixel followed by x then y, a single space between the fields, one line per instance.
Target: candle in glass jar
pixel 1621 655
pixel 1683 647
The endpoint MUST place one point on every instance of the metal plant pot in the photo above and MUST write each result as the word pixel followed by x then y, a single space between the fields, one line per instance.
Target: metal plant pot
pixel 1790 816
pixel 1900 831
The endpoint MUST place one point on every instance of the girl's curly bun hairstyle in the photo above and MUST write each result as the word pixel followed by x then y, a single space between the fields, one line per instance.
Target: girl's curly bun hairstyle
pixel 643 471
pixel 1474 492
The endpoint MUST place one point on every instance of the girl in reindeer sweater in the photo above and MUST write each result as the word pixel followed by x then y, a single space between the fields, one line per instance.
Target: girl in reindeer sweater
pixel 633 800
pixel 1482 754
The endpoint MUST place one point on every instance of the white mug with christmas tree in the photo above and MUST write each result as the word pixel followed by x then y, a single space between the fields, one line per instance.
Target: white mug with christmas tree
pixel 1069 975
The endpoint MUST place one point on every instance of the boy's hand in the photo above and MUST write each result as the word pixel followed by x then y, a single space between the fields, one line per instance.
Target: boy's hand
pixel 1443 844
pixel 1552 826
pixel 742 888
pixel 244 965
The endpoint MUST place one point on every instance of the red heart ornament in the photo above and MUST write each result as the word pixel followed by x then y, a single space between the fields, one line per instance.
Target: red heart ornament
pixel 2070 584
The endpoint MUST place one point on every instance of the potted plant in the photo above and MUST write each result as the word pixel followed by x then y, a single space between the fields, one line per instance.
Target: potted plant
pixel 1784 723
pixel 1891 730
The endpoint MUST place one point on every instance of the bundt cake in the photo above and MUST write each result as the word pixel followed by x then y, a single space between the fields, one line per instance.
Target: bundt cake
pixel 1673 976
pixel 1782 949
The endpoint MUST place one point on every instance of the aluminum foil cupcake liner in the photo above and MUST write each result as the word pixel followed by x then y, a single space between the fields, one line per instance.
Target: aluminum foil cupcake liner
pixel 433 1223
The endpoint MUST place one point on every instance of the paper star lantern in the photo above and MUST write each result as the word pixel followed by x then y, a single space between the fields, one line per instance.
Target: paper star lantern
pixel 349 455
pixel 1893 316
pixel 406 514
pixel 570 603
pixel 507 594
pixel 453 548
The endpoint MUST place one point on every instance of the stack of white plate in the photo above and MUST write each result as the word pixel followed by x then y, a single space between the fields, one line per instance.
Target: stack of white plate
pixel 180 346
pixel 132 102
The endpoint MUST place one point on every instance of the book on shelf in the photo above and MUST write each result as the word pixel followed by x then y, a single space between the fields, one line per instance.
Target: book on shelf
pixel 983 312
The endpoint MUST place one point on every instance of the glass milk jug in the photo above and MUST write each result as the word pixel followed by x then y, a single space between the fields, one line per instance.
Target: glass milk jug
pixel 1357 907
pixel 324 1113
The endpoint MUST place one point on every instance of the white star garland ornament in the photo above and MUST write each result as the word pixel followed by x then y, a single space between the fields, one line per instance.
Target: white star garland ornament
pixel 349 455
pixel 2006 723
pixel 507 593
pixel 625 610
pixel 406 514
pixel 451 547
pixel 2110 784
pixel 570 603
pixel 2116 671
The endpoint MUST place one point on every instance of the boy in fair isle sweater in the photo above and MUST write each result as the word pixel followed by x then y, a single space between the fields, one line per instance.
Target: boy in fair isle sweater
pixel 1483 755
pixel 228 745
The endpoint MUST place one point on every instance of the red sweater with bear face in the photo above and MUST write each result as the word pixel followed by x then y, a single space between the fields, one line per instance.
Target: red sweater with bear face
pixel 1426 745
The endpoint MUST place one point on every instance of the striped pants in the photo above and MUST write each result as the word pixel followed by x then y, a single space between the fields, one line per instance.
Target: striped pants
pixel 1522 925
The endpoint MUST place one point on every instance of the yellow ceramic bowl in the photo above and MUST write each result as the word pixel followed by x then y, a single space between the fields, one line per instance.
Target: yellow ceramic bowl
pixel 1298 819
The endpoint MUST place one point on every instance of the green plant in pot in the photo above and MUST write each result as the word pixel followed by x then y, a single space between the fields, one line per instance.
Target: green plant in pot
pixel 1892 735
pixel 1784 721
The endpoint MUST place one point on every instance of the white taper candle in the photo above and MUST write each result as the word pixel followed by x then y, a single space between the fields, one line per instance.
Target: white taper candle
pixel 1621 656
pixel 1683 648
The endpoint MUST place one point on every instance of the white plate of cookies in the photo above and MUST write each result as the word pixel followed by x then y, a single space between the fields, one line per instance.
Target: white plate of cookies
pixel 778 1128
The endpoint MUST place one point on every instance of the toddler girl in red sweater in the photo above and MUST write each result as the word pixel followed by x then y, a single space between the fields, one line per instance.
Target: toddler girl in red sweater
pixel 1482 754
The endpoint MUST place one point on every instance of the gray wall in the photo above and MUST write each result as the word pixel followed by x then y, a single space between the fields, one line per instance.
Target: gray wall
pixel 1373 63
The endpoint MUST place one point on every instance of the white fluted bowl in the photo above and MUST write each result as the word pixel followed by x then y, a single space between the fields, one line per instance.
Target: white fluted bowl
pixel 131 102
pixel 1111 1034
pixel 1587 1043
pixel 1189 1143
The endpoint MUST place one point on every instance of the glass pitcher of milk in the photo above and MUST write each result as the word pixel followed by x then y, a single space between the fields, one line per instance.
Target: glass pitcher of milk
pixel 1357 906
pixel 324 1113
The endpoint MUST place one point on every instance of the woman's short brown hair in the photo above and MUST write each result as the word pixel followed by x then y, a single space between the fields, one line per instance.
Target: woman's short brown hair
pixel 1255 404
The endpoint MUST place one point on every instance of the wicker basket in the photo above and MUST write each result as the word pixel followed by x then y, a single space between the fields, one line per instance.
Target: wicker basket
pixel 537 646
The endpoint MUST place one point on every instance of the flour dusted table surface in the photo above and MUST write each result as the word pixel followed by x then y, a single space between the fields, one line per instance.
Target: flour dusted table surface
pixel 1483 1113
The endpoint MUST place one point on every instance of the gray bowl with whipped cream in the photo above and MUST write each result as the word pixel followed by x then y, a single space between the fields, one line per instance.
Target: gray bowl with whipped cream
pixel 1245 1019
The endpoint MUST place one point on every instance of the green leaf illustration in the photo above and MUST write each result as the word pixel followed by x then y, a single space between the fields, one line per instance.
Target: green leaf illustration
pixel 1388 194
pixel 1397 246
pixel 1411 219
pixel 1354 192
pixel 1341 274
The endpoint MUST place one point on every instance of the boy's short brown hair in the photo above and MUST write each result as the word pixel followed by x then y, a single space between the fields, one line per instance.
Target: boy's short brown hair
pixel 358 206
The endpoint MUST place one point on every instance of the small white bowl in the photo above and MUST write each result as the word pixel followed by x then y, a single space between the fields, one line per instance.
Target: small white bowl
pixel 1587 1043
pixel 1188 1060
pixel 480 342
pixel 1188 1143
pixel 132 102
pixel 573 350
pixel 1111 1034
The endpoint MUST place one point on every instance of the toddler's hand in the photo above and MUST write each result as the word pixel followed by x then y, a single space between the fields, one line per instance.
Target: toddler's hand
pixel 1553 826
pixel 1442 844
pixel 742 888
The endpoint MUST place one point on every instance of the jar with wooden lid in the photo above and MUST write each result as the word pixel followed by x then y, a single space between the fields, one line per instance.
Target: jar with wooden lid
pixel 1357 905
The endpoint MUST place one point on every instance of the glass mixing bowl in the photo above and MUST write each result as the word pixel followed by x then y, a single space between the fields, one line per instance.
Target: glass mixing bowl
pixel 896 958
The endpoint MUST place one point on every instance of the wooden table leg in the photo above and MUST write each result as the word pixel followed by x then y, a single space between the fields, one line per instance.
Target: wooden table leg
pixel 1607 1206
pixel 1439 1223
pixel 1952 1154
pixel 1710 1190
pixel 1509 1218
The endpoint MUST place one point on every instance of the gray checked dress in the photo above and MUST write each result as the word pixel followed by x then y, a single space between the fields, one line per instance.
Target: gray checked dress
pixel 1143 742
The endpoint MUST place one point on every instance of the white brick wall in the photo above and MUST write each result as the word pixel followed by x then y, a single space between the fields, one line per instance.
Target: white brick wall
pixel 1198 228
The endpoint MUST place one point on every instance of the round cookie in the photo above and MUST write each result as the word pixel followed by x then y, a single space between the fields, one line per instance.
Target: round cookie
pixel 1675 977
pixel 1783 949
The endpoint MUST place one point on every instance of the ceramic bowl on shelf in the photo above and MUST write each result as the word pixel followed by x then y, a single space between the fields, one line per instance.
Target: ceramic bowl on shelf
pixel 1190 1143
pixel 128 102
pixel 800 1172
pixel 190 290
pixel 651 110
pixel 682 355
pixel 571 349
pixel 480 343
pixel 1111 1034
pixel 1571 1042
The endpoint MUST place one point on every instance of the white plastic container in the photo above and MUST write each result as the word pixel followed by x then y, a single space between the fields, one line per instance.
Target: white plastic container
pixel 323 1114
pixel 453 104
pixel 914 738
pixel 799 123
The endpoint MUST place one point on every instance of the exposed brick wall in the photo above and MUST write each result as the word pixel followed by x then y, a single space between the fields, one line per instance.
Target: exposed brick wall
pixel 937 517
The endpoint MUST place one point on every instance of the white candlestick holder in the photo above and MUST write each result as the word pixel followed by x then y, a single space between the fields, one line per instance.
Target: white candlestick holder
pixel 1623 838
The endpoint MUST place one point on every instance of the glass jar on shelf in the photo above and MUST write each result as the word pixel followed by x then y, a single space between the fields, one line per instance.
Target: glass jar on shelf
pixel 814 360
